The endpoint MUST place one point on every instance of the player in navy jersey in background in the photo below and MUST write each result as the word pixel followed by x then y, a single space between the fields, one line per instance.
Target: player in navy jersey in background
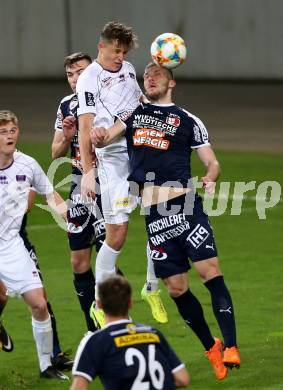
pixel 126 355
pixel 84 228
pixel 108 89
pixel 160 138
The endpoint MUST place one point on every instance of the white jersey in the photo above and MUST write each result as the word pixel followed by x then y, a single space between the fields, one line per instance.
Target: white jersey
pixel 108 95
pixel 15 183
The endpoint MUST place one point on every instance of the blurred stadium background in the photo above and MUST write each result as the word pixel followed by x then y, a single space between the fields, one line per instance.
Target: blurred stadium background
pixel 233 80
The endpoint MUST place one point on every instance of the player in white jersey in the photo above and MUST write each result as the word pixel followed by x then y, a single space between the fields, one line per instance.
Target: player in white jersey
pixel 108 90
pixel 17 270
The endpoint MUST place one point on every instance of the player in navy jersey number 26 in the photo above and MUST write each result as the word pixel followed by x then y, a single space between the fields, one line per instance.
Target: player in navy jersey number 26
pixel 126 355
pixel 160 138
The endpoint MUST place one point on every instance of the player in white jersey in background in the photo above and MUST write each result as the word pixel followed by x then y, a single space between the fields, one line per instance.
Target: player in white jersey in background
pixel 17 270
pixel 108 90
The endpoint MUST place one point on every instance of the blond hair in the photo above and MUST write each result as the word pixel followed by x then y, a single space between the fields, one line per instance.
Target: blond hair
pixel 8 116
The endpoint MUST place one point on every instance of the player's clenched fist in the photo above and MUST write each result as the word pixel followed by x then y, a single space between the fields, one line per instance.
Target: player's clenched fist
pixel 69 127
pixel 99 136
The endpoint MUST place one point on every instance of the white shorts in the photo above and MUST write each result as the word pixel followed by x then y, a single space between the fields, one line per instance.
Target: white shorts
pixel 117 202
pixel 17 269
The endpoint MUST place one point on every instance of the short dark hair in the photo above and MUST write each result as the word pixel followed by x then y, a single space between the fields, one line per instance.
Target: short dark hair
pixel 122 34
pixel 169 71
pixel 115 295
pixel 75 57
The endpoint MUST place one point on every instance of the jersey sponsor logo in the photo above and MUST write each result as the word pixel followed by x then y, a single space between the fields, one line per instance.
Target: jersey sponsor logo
pixel 166 222
pixel 99 228
pixel 73 104
pixel 107 81
pixel 78 211
pixel 123 202
pixel 160 238
pixel 197 135
pixel 198 236
pixel 200 134
pixel 173 120
pixel 132 75
pixel 3 180
pixel 89 99
pixel 152 138
pixel 137 338
pixel 121 77
pixel 21 178
pixel 125 114
pixel 154 123
pixel 158 254
pixel 72 228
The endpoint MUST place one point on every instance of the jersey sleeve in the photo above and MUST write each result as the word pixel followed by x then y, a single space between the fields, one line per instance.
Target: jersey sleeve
pixel 40 181
pixel 87 92
pixel 199 134
pixel 87 359
pixel 174 362
pixel 59 119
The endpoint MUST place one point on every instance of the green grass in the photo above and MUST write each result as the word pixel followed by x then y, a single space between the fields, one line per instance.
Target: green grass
pixel 251 259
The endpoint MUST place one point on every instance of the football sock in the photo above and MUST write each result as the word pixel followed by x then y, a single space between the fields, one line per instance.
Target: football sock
pixel 151 279
pixel 223 309
pixel 84 285
pixel 56 343
pixel 105 264
pixel 42 333
pixel 191 311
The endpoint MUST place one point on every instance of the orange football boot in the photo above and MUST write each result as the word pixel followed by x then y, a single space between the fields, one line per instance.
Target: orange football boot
pixel 232 357
pixel 214 355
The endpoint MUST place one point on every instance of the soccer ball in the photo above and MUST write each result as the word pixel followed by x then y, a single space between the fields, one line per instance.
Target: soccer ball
pixel 168 50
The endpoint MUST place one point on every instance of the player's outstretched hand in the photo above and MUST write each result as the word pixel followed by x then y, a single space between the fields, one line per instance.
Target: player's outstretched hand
pixel 69 127
pixel 99 136
pixel 88 184
pixel 208 185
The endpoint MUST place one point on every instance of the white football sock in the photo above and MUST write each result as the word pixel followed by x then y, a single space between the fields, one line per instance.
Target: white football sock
pixel 151 279
pixel 105 264
pixel 43 336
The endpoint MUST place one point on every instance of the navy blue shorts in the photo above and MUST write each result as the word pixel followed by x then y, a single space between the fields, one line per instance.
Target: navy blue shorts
pixel 178 235
pixel 86 225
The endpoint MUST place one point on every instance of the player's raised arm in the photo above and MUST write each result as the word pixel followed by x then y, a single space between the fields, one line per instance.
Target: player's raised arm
pixel 101 137
pixel 208 158
pixel 62 139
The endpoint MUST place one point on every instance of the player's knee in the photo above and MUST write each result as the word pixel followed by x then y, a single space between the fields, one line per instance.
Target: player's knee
pixel 39 309
pixel 80 263
pixel 175 290
pixel 116 240
pixel 210 273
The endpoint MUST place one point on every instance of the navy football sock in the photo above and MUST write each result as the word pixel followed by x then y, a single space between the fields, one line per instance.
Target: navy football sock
pixel 84 285
pixel 191 311
pixel 56 343
pixel 223 309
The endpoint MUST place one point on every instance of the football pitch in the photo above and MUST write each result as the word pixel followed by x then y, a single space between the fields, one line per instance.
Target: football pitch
pixel 250 251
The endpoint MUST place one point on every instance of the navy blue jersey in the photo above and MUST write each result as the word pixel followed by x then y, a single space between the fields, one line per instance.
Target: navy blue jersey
pixel 160 139
pixel 127 356
pixel 68 107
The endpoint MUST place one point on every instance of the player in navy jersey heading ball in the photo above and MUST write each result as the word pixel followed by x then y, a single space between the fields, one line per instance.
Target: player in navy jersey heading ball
pixel 126 355
pixel 160 137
